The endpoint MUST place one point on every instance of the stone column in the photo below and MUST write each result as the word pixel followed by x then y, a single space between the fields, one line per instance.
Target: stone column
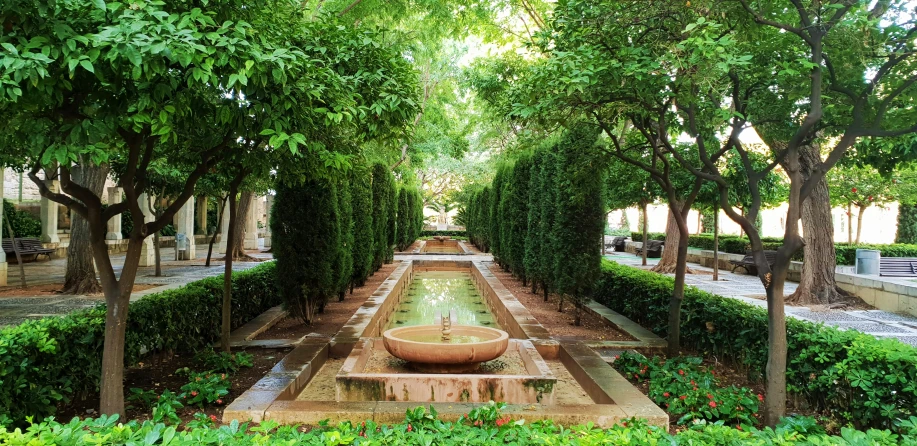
pixel 202 215
pixel 3 264
pixel 49 216
pixel 184 227
pixel 268 204
pixel 224 229
pixel 251 225
pixel 147 253
pixel 114 224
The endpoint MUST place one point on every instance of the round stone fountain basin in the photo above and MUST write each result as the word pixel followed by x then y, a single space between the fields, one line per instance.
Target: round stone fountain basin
pixel 423 347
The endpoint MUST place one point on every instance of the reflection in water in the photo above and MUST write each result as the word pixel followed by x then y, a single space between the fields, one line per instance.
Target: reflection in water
pixel 434 292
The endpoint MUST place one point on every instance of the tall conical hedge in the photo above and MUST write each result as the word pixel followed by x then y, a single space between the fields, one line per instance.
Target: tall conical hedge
pixel 344 265
pixel 907 224
pixel 383 191
pixel 404 227
pixel 361 196
pixel 306 230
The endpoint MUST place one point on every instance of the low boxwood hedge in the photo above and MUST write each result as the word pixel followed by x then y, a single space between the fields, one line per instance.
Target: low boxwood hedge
pixel 856 377
pixel 733 244
pixel 443 233
pixel 52 359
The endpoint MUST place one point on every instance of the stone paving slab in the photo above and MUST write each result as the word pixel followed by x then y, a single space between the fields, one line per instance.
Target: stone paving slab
pixel 742 287
pixel 15 309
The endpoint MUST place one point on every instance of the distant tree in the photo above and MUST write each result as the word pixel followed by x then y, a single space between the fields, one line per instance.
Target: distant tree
pixel 858 187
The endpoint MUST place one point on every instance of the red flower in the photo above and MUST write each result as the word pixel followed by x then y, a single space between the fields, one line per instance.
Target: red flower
pixel 624 424
pixel 682 397
pixel 712 404
pixel 666 394
pixel 213 418
pixel 760 397
pixel 854 190
pixel 692 383
pixel 681 372
pixel 194 393
pixel 219 401
pixel 739 427
pixel 410 428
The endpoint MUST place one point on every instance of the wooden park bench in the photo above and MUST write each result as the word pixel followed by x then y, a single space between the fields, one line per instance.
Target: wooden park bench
pixel 27 247
pixel 619 243
pixel 748 262
pixel 898 266
pixel 653 249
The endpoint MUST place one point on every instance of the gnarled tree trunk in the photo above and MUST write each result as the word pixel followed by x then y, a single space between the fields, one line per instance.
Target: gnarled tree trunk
pixel 241 215
pixel 669 261
pixel 80 276
pixel 817 284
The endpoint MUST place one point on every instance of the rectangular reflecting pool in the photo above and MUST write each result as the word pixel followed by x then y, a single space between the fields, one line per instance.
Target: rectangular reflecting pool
pixel 442 247
pixel 432 293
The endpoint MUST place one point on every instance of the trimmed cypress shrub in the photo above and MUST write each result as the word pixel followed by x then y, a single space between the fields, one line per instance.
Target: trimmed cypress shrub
pixel 580 214
pixel 532 245
pixel 306 245
pixel 391 217
pixel 545 231
pixel 493 217
pixel 344 266
pixel 517 218
pixel 907 224
pixel 382 181
pixel 361 196
pixel 403 224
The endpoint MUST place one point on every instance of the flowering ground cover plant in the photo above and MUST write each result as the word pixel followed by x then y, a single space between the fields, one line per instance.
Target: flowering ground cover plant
pixel 484 426
pixel 689 391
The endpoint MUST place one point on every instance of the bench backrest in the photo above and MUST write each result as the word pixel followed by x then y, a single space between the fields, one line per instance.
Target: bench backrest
pixel 654 244
pixel 30 243
pixel 900 265
pixel 770 256
pixel 617 240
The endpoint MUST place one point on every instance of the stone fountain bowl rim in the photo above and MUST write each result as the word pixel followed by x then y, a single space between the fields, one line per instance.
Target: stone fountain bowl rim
pixel 470 353
pixel 390 334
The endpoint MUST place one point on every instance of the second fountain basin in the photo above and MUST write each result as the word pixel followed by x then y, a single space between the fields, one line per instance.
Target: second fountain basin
pixel 520 376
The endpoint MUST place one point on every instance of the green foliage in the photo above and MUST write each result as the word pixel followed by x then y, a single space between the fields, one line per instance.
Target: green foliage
pixel 689 391
pixel 383 189
pixel 24 224
pixel 410 217
pixel 907 223
pixel 306 231
pixel 485 425
pixel 855 377
pixel 224 362
pixel 580 216
pixel 343 268
pixel 361 196
pixel 205 389
pixel 39 357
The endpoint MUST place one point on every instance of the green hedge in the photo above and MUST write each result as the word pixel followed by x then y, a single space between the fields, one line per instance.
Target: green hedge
pixel 484 425
pixel 426 233
pixel 23 223
pixel 856 377
pixel 56 358
pixel 845 253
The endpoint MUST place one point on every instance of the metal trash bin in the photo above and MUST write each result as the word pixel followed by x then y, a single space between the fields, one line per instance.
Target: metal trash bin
pixel 867 261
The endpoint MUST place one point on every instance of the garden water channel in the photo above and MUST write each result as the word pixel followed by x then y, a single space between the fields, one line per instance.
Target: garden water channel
pixel 353 376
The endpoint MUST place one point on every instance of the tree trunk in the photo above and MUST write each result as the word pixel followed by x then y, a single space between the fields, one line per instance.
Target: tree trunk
pixel 716 243
pixel 544 288
pixel 218 230
pixel 9 228
pixel 817 284
pixel 849 223
pixel 645 232
pixel 678 291
pixel 238 240
pixel 859 222
pixel 227 269
pixel 80 277
pixel 673 240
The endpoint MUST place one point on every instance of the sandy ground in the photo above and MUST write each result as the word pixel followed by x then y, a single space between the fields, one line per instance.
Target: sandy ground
pixel 52 289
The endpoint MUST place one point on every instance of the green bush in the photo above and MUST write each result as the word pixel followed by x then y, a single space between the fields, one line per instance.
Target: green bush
pixel 855 377
pixel 383 191
pixel 907 224
pixel 845 253
pixel 23 223
pixel 485 425
pixel 54 359
pixel 638 236
pixel 361 196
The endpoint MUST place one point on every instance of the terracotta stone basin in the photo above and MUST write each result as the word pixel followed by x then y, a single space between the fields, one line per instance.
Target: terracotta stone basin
pixel 423 347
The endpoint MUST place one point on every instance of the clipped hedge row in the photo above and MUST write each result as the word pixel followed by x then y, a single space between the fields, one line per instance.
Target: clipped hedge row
pixel 638 236
pixel 426 233
pixel 856 377
pixel 56 358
